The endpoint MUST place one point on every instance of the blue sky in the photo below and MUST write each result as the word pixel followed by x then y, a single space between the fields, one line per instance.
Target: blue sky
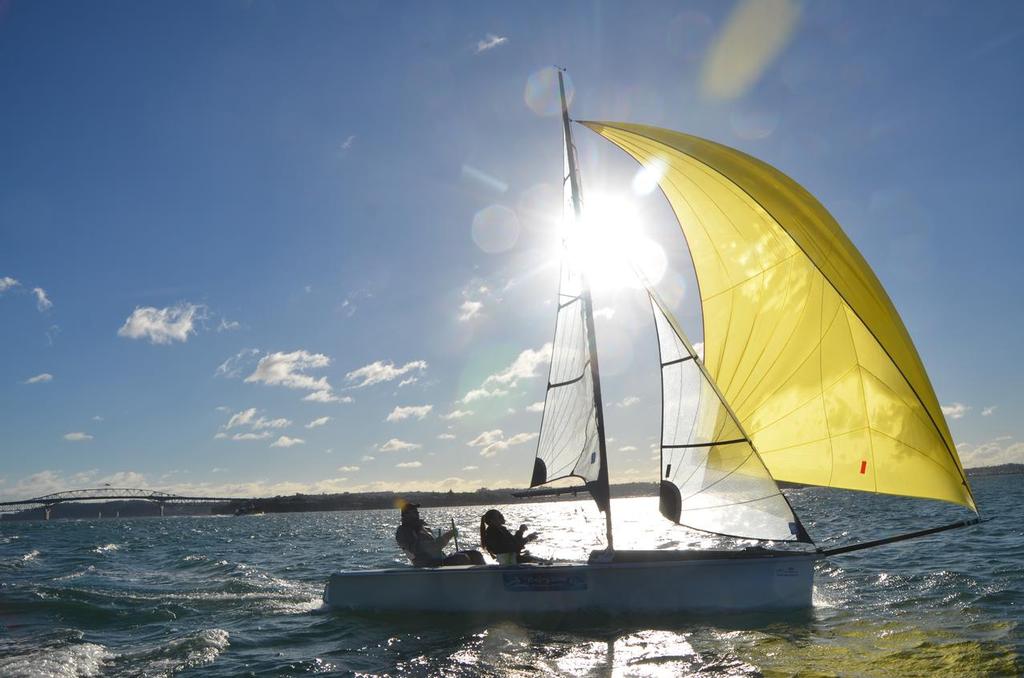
pixel 255 223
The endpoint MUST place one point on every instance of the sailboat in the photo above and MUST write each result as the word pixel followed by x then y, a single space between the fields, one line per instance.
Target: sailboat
pixel 808 376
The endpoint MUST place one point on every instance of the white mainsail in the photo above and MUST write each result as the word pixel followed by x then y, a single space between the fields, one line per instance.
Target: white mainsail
pixel 569 444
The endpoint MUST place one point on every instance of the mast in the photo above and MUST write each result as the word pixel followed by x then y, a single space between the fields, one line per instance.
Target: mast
pixel 600 488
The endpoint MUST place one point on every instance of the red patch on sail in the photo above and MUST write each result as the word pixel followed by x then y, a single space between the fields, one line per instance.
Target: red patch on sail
pixel 863 467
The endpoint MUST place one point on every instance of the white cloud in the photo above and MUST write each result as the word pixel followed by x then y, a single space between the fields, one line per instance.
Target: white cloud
pixel 536 407
pixel 487 438
pixel 999 451
pixel 247 418
pixel 220 435
pixel 163 325
pixel 457 414
pixel 289 370
pixel 7 283
pixel 409 464
pixel 43 302
pixel 243 418
pixel 327 397
pixel 988 411
pixel 490 41
pixel 125 479
pixel 523 367
pixel 285 441
pixel 349 140
pixel 446 436
pixel 956 410
pixel 349 306
pixel 271 423
pixel 77 436
pixel 348 469
pixel 481 393
pixel 226 325
pixel 418 411
pixel 97 418
pixel 38 484
pixel 381 371
pixel 236 364
pixel 494 441
pixel 396 445
pixel 251 436
pixel 470 309
pixel 627 448
pixel 628 401
pixel 39 378
pixel 406 382
pixel 85 476
pixel 470 468
pixel 368 457
pixel 322 421
pixel 607 313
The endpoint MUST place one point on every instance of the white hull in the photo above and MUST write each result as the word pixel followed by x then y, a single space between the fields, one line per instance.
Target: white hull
pixel 713 584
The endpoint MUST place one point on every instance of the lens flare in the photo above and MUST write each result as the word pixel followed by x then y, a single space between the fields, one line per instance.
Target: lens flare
pixel 609 244
pixel 541 93
pixel 495 229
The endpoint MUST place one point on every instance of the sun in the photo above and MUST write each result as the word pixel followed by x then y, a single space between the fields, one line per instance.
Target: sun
pixel 609 246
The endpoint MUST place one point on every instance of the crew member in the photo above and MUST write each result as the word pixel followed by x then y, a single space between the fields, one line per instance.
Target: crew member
pixel 423 548
pixel 507 548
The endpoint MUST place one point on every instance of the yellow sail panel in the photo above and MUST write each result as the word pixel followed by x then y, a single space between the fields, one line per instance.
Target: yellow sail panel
pixel 799 334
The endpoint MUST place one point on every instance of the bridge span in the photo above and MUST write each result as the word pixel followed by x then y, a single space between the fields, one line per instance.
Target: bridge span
pixel 47 502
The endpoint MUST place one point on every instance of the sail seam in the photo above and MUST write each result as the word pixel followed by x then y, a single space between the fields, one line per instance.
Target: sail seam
pixel 734 503
pixel 782 352
pixel 804 361
pixel 726 476
pixel 764 349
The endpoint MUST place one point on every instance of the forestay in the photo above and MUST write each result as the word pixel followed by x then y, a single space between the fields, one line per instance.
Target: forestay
pixel 711 477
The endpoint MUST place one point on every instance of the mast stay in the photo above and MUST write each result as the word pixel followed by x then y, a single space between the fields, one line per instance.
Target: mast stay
pixel 601 490
pixel 572 439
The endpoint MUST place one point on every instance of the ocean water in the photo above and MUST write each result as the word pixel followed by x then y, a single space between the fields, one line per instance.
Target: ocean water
pixel 225 596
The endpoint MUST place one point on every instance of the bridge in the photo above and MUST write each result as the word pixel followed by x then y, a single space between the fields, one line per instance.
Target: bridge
pixel 47 502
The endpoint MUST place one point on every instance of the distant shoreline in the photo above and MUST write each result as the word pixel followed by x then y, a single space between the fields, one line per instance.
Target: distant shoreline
pixel 998 470
pixel 358 501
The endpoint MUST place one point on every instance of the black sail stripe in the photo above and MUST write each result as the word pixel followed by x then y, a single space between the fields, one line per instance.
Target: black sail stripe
pixel 571 381
pixel 711 444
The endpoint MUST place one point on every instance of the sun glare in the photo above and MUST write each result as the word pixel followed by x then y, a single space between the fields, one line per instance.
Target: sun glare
pixel 609 245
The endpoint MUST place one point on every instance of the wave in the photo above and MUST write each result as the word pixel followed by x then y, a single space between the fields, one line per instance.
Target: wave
pixel 69 661
pixel 199 648
pixel 193 650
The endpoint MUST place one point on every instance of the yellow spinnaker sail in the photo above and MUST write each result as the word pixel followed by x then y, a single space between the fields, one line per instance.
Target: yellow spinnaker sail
pixel 799 334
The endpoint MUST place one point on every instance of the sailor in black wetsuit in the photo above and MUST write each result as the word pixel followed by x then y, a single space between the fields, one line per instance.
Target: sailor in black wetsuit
pixel 425 550
pixel 501 543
